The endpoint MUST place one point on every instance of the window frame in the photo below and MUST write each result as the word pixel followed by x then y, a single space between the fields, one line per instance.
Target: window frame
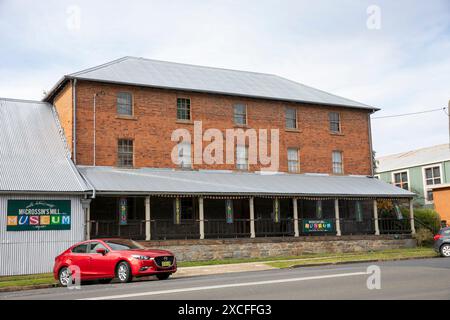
pixel 244 115
pixel 286 119
pixel 342 162
pixel 402 183
pixel 245 158
pixel 179 148
pixel 331 121
pixel 429 187
pixel 131 104
pixel 119 153
pixel 190 109
pixel 297 151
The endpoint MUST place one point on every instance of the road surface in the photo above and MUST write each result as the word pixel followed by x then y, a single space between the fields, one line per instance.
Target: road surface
pixel 410 279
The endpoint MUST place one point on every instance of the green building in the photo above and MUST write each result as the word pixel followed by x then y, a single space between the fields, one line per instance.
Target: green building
pixel 417 171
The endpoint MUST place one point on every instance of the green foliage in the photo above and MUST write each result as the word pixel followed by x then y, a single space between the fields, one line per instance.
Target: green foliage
pixel 426 218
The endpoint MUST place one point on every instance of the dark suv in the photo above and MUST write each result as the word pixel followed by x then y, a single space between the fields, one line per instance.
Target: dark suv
pixel 442 242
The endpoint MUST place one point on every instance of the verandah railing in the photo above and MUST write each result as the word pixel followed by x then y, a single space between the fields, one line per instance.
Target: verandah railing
pixel 162 229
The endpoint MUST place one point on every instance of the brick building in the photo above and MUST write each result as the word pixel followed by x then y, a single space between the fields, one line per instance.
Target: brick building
pixel 119 118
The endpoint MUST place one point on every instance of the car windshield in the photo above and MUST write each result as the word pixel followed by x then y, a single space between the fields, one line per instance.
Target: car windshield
pixel 123 244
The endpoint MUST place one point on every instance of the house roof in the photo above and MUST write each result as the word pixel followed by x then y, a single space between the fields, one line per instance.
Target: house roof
pixel 414 158
pixel 167 181
pixel 33 152
pixel 170 75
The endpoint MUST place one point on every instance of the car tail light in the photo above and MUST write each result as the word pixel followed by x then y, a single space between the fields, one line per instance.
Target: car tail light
pixel 437 237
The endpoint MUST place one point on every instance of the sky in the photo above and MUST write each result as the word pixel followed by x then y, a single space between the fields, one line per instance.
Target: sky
pixel 394 55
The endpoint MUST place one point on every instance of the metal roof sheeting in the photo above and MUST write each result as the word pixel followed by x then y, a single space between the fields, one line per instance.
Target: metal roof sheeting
pixel 162 74
pixel 414 158
pixel 166 181
pixel 33 154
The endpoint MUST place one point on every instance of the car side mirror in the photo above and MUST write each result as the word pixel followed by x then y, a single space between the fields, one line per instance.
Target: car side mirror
pixel 101 251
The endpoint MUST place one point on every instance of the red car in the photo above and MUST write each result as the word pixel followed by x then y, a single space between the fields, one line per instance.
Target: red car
pixel 106 259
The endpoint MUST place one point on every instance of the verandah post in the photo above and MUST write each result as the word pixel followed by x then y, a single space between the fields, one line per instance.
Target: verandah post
pixel 201 215
pixel 411 215
pixel 375 217
pixel 336 214
pixel 252 218
pixel 294 205
pixel 148 235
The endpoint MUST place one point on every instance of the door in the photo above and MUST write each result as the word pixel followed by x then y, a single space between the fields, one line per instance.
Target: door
pixel 79 257
pixel 100 265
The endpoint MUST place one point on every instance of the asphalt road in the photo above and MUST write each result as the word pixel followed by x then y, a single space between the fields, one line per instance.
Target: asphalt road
pixel 410 279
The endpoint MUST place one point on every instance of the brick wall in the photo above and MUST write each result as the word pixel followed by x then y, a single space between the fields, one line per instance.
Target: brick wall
pixel 63 105
pixel 155 118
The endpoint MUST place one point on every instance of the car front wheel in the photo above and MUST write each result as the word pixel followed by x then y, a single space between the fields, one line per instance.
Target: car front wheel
pixel 65 276
pixel 123 272
pixel 445 250
pixel 163 276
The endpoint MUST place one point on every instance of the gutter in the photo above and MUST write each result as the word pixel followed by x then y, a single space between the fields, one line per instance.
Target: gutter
pixel 369 121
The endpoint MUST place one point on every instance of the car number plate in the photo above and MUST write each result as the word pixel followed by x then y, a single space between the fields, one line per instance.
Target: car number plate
pixel 166 264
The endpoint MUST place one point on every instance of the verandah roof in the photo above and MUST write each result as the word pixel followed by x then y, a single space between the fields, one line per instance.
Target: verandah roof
pixel 109 180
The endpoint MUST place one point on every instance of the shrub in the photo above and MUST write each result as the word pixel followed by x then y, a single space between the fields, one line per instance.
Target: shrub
pixel 424 237
pixel 426 218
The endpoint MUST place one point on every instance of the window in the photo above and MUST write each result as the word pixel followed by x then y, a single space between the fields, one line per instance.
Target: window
pixel 240 114
pixel 187 209
pixel 183 109
pixel 401 180
pixel 125 153
pixel 242 157
pixel 337 162
pixel 293 163
pixel 335 122
pixel 124 104
pixel 429 195
pixel 184 155
pixel 291 118
pixel 82 248
pixel 433 175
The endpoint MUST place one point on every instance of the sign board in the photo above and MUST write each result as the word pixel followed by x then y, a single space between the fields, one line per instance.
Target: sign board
pixel 32 215
pixel 318 226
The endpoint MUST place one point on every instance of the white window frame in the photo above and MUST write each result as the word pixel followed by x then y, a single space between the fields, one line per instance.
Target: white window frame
pixel 238 163
pixel 342 162
pixel 401 171
pixel 427 187
pixel 181 156
pixel 297 160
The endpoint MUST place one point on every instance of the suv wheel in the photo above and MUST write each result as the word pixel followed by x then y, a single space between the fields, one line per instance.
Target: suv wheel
pixel 123 272
pixel 445 250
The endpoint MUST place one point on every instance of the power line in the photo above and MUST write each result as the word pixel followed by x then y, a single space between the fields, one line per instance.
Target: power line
pixel 411 114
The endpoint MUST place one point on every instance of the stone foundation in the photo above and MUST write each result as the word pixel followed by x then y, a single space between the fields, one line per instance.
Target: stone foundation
pixel 198 250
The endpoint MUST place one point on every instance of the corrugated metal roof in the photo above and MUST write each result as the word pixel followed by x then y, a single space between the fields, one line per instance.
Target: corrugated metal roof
pixel 146 180
pixel 414 158
pixel 162 74
pixel 33 154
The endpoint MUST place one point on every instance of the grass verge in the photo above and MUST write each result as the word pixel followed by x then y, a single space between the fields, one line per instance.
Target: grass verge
pixel 384 255
pixel 27 280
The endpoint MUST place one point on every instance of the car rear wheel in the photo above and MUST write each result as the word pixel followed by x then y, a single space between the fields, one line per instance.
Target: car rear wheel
pixel 163 276
pixel 445 250
pixel 65 276
pixel 123 272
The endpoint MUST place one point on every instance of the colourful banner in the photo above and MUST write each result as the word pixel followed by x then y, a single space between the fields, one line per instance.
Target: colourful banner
pixel 33 215
pixel 229 211
pixel 318 226
pixel 123 211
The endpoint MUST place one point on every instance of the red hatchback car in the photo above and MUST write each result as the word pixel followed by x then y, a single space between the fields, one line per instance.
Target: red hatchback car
pixel 106 259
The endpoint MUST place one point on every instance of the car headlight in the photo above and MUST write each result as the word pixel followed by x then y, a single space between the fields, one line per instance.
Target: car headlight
pixel 135 256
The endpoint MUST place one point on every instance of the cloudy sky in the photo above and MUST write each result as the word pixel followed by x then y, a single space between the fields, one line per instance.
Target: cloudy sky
pixel 391 54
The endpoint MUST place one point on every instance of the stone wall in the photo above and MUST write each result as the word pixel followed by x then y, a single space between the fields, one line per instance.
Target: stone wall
pixel 197 250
